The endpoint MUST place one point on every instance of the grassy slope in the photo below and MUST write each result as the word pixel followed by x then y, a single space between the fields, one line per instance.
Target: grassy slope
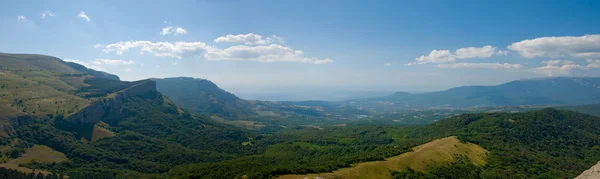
pixel 435 153
pixel 38 153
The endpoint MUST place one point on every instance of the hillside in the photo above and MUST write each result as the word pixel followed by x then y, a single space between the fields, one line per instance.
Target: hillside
pixel 547 143
pixel 38 85
pixel 103 127
pixel 591 109
pixel 440 152
pixel 204 96
pixel 557 91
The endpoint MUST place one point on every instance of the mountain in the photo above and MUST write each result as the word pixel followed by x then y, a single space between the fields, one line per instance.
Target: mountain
pixel 68 120
pixel 99 126
pixel 557 91
pixel 204 96
pixel 39 85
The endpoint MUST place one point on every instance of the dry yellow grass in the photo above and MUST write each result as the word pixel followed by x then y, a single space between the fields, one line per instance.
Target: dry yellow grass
pixel 435 153
pixel 38 153
pixel 101 131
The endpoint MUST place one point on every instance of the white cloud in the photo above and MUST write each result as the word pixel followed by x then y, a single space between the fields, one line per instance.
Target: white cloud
pixel 166 30
pixel 264 53
pixel 474 52
pixel 435 56
pixel 387 64
pixel 249 39
pixel 47 14
pixel 99 61
pixel 556 67
pixel 180 31
pixel 481 65
pixel 87 65
pixel 21 19
pixel 171 30
pixel 98 46
pixel 162 49
pixel 270 53
pixel 127 70
pixel 445 56
pixel 83 16
pixel 576 46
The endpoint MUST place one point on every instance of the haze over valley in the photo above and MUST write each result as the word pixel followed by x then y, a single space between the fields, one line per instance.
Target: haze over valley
pixel 311 89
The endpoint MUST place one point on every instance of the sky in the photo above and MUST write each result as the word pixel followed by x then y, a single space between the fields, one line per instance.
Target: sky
pixel 280 46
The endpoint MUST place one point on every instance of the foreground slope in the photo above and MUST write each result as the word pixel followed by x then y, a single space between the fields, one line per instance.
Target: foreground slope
pixel 440 152
pixel 547 143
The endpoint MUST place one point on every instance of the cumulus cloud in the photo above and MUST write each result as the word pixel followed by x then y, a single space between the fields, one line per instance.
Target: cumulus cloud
pixel 83 16
pixel 87 65
pixel 47 14
pixel 481 65
pixel 263 53
pixel 100 61
pixel 270 53
pixel 435 56
pixel 445 56
pixel 556 67
pixel 180 30
pixel 162 49
pixel 473 52
pixel 172 30
pixel 98 46
pixel 249 39
pixel 21 19
pixel 575 46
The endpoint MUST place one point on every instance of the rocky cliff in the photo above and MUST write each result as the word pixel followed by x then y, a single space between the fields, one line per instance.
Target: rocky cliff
pixel 592 173
pixel 7 124
pixel 109 108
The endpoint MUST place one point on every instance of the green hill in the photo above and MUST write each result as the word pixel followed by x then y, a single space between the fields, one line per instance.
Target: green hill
pixel 95 126
pixel 548 144
pixel 203 96
pixel 105 127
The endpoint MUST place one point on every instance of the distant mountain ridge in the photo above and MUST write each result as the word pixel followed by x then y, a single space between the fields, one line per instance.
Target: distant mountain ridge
pixel 558 90
pixel 203 96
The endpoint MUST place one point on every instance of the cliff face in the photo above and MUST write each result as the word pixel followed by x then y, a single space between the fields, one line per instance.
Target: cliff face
pixel 109 108
pixel 592 173
pixel 8 124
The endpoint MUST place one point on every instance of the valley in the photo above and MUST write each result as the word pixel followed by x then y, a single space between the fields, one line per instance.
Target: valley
pixel 61 118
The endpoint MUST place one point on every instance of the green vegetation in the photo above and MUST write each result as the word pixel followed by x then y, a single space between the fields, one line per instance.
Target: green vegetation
pixel 437 153
pixel 14 174
pixel 62 119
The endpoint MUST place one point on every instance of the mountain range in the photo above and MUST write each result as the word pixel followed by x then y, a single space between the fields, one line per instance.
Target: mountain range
pixel 61 118
pixel 541 91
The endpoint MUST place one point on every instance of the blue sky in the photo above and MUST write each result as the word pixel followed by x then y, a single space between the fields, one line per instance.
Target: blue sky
pixel 274 46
